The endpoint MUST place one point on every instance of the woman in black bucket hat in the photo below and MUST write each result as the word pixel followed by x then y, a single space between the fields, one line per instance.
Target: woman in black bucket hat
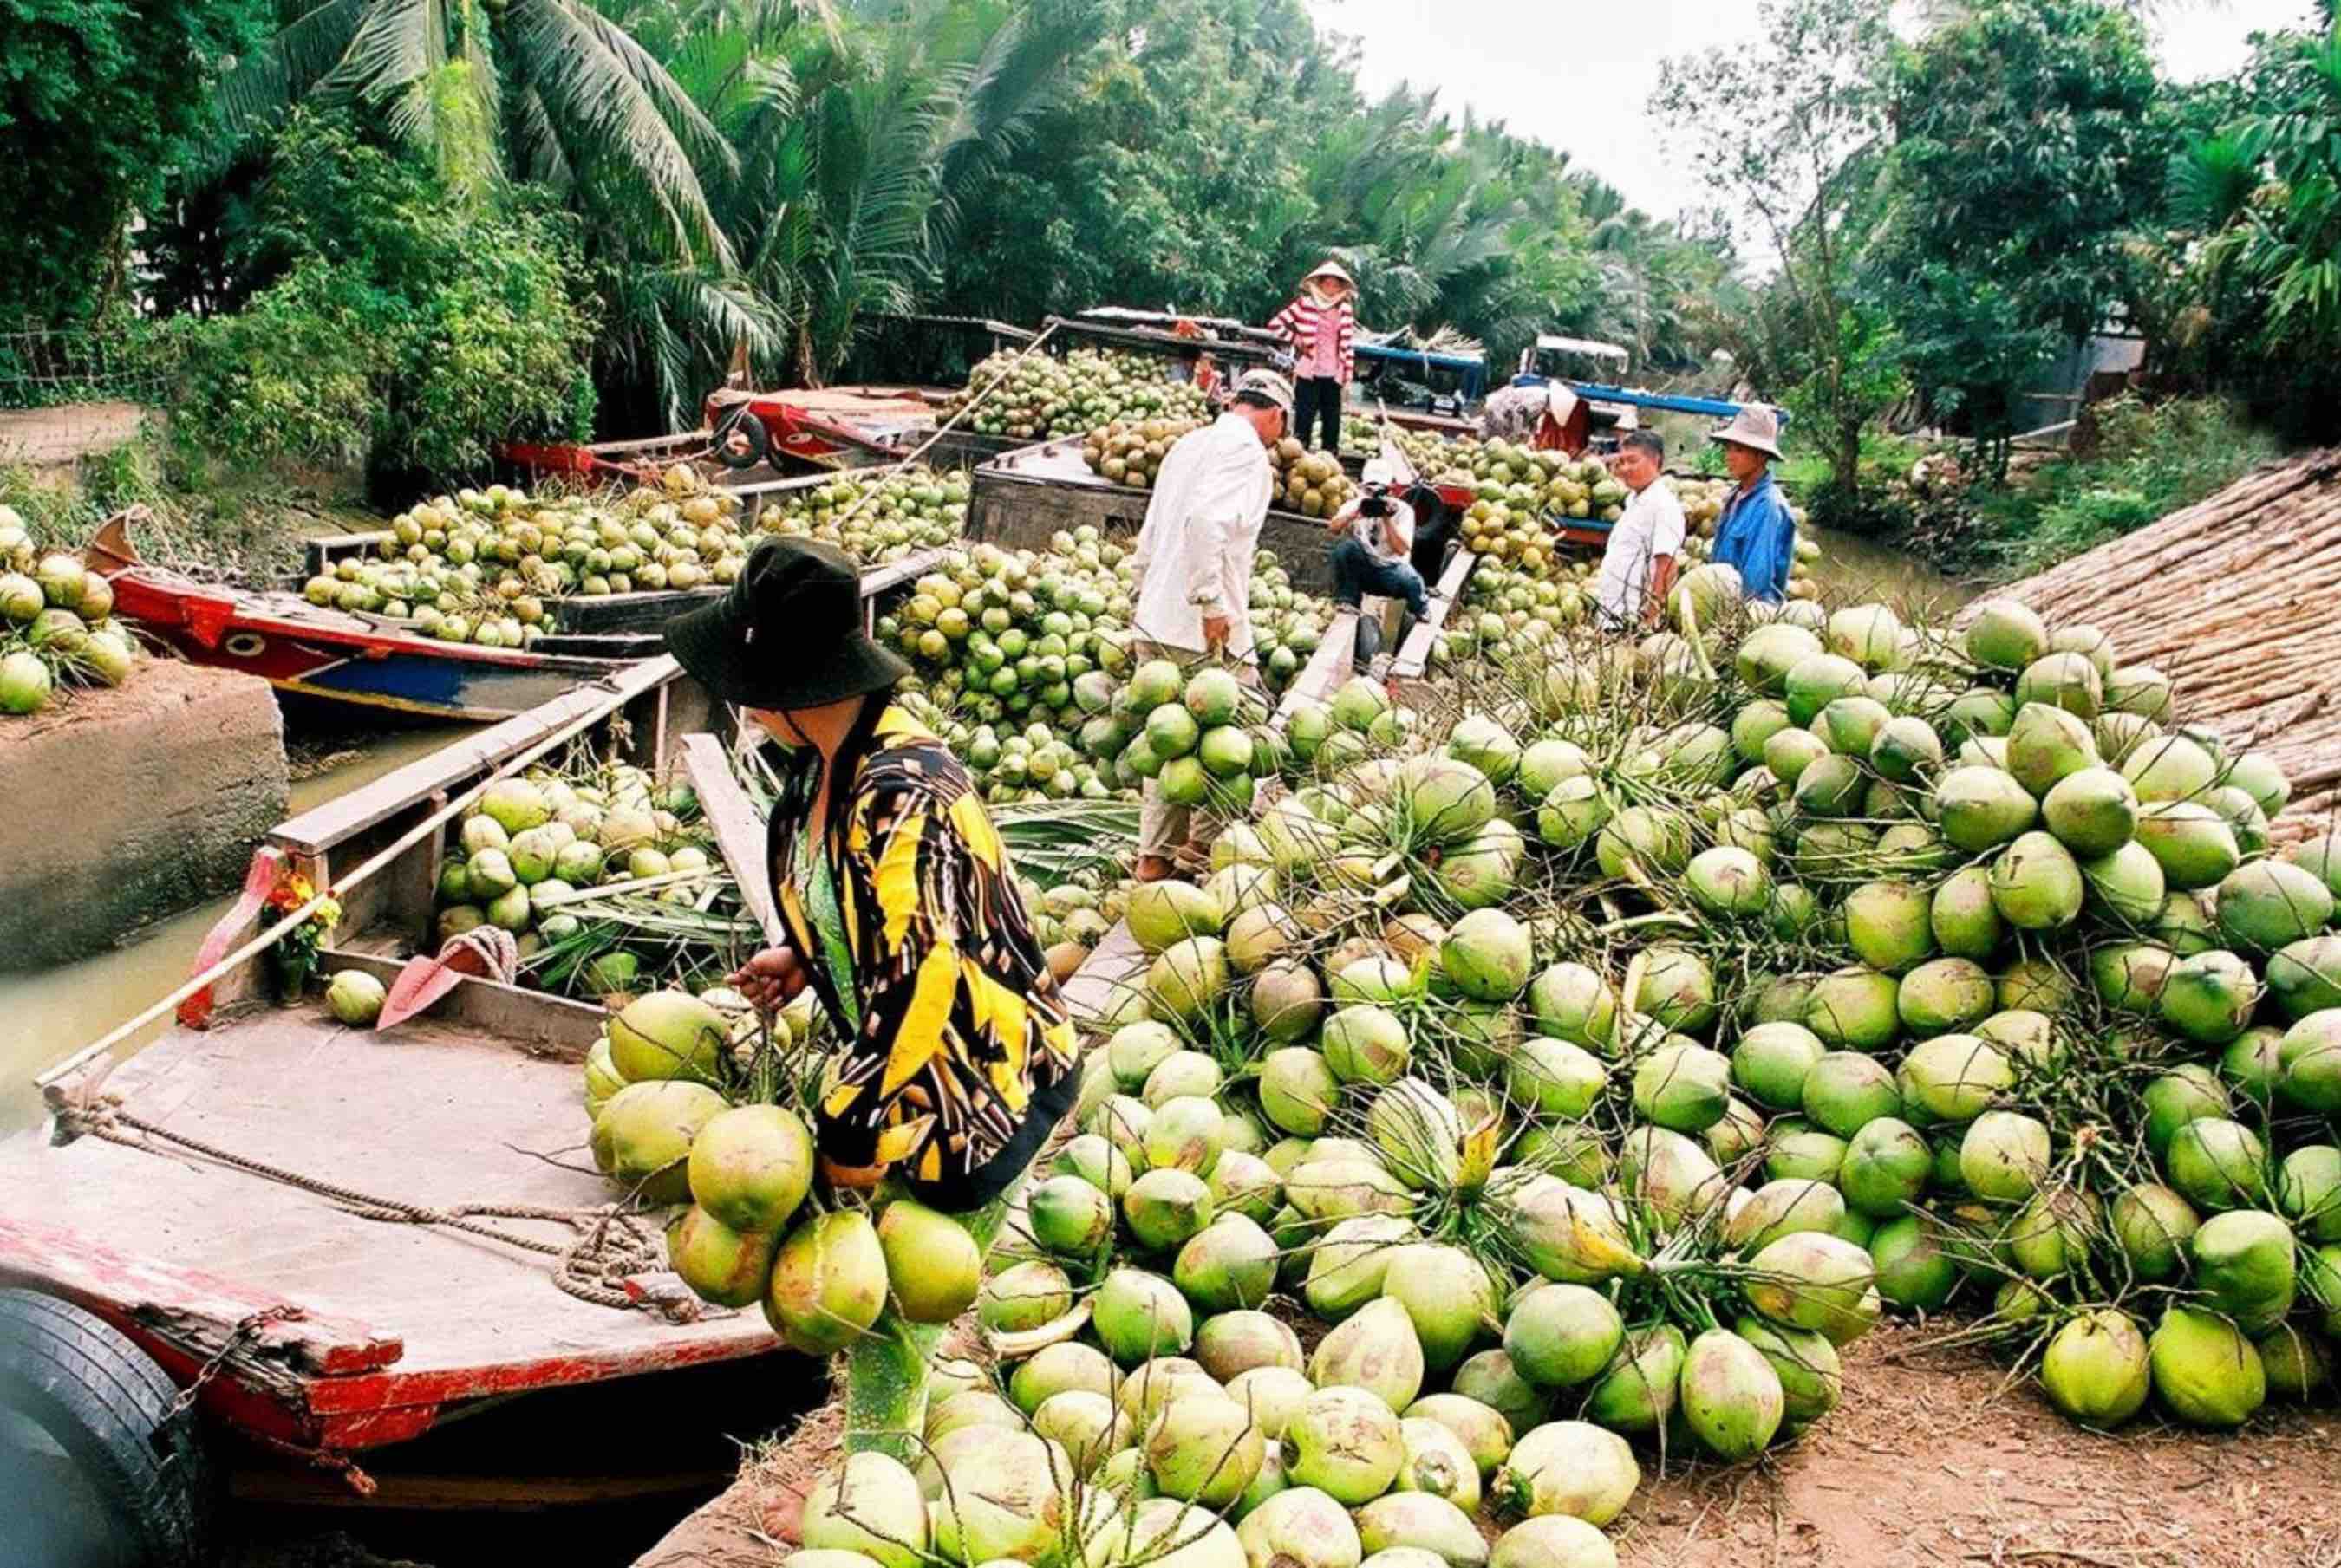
pixel 902 907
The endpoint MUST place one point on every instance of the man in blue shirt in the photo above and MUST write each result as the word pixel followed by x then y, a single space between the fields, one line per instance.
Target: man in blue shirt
pixel 1756 534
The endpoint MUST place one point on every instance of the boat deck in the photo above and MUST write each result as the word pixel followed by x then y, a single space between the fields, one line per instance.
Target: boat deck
pixel 398 1319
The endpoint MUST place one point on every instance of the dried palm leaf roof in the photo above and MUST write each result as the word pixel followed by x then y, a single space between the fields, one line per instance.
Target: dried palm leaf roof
pixel 2237 599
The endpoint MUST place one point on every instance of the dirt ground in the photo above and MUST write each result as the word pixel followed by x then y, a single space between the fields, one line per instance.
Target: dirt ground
pixel 1931 1460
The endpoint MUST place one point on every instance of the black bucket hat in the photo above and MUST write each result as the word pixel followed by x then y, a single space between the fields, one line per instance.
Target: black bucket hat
pixel 788 635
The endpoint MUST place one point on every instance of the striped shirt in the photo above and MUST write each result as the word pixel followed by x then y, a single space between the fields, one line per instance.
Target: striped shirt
pixel 1301 323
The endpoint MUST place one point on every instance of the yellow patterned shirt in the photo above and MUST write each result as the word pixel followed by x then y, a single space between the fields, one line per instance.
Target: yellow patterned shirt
pixel 960 1055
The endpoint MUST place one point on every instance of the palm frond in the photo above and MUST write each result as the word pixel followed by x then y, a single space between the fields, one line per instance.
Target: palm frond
pixel 260 91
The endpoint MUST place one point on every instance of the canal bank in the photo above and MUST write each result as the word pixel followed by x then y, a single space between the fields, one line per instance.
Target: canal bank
pixel 49 1013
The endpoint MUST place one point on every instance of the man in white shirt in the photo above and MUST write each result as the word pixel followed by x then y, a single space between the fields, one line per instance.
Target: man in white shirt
pixel 1373 537
pixel 1639 566
pixel 1193 560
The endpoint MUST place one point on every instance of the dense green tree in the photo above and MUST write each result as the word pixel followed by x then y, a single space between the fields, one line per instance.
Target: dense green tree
pixel 1791 135
pixel 99 99
pixel 2028 145
pixel 2243 292
pixel 407 323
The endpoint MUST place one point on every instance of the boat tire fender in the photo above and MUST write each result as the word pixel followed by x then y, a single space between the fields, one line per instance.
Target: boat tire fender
pixel 753 443
pixel 117 1416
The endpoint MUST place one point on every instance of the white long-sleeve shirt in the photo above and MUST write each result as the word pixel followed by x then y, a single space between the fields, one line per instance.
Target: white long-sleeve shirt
pixel 1202 525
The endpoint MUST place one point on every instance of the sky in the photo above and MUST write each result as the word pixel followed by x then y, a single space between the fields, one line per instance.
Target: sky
pixel 1578 76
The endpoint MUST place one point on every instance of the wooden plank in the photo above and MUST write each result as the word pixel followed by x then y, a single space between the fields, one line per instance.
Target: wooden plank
pixel 1414 658
pixel 1115 965
pixel 738 831
pixel 451 768
pixel 1327 668
pixel 198 1311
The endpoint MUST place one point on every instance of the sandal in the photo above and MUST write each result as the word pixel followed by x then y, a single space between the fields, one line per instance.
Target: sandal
pixel 1153 869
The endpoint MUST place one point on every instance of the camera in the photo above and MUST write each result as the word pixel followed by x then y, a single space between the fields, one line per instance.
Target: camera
pixel 1376 502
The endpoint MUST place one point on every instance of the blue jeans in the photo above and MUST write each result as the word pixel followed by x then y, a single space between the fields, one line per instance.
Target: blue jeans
pixel 1357 573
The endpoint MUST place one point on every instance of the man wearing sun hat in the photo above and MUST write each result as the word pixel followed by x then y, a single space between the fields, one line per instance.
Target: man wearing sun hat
pixel 1756 534
pixel 901 907
pixel 1194 561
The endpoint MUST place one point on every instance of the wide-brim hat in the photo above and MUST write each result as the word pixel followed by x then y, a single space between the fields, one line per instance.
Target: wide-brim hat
pixel 1329 268
pixel 789 634
pixel 1754 427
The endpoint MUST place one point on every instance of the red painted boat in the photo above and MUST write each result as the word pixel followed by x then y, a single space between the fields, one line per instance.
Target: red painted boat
pixel 331 655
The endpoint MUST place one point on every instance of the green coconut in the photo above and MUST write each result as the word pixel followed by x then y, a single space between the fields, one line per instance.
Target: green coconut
pixel 2095 1368
pixel 2152 1225
pixel 1815 681
pixel 2210 997
pixel 2005 635
pixel 751 1167
pixel 1572 1469
pixel 1487 955
pixel 829 1283
pixel 1491 1379
pixel 643 1138
pixel 1068 1366
pixel 1847 1090
pixel 1980 809
pixel 1345 1443
pixel 1771 1061
pixel 2304 976
pixel 1811 1372
pixel 870 1504
pixel 1944 995
pixel 1781 1208
pixel 2035 884
pixel 1639 1393
pixel 2266 905
pixel 1003 1497
pixel 1854 1008
pixel 1562 1335
pixel 1297 1090
pixel 2003 1156
pixel 669 1035
pixel 2195 846
pixel 727 1266
pixel 1138 1314
pixel 1916 1270
pixel 2308 1191
pixel 1886 1168
pixel 2205 1371
pixel 2218 1164
pixel 2248 1261
pixel 1962 917
pixel 1448 1296
pixel 2046 745
pixel 1302 1528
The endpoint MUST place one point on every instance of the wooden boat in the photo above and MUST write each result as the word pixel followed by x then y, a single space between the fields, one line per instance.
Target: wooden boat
pixel 311 652
pixel 216 1206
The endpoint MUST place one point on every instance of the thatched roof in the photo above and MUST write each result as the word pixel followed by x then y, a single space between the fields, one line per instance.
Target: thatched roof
pixel 2237 600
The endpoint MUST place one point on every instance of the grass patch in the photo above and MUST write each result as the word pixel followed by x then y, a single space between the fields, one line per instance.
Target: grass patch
pixel 2151 460
pixel 250 526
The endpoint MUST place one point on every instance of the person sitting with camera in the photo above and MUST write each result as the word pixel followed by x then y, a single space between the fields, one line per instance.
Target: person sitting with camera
pixel 1374 536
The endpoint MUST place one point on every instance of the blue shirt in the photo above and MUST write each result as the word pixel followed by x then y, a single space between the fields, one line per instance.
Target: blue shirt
pixel 1756 535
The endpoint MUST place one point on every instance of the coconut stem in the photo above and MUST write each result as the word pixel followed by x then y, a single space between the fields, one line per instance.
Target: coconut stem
pixel 886 1370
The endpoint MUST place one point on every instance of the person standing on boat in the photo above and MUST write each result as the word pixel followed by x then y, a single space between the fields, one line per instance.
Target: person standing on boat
pixel 901 908
pixel 1638 566
pixel 1194 561
pixel 1756 534
pixel 1321 325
